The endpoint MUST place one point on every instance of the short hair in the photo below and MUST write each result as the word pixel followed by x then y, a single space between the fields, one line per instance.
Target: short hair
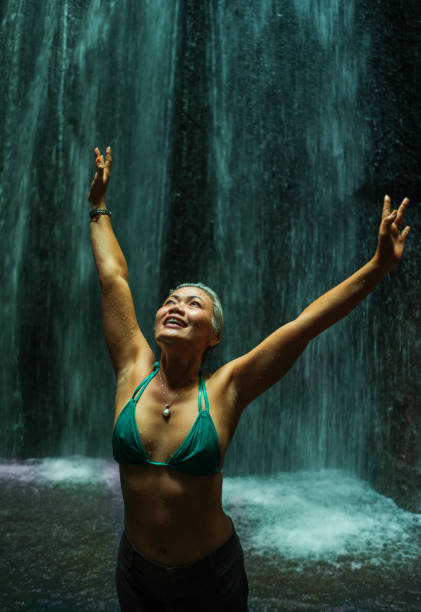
pixel 218 313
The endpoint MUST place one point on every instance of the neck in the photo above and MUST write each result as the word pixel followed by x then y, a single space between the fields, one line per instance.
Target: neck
pixel 179 370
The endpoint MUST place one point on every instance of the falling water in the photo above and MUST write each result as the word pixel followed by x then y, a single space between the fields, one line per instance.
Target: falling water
pixel 287 158
pixel 284 158
pixel 78 77
pixel 284 161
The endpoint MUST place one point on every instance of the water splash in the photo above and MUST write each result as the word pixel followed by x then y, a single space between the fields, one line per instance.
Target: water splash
pixel 324 515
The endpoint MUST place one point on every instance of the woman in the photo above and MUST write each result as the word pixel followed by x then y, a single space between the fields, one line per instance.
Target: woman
pixel 179 550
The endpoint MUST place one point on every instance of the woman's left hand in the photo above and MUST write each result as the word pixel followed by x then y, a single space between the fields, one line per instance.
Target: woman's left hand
pixel 392 238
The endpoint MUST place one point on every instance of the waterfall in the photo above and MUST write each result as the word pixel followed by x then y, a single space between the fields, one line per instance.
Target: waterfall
pixel 80 76
pixel 241 139
pixel 287 159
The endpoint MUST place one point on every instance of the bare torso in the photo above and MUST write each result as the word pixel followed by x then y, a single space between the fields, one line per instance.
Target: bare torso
pixel 172 517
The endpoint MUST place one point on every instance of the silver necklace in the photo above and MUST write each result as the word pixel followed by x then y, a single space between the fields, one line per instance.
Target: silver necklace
pixel 167 410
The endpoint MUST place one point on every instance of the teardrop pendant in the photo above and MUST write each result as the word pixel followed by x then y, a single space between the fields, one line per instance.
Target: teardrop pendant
pixel 166 412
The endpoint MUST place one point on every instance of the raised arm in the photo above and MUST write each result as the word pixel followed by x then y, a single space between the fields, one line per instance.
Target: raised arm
pixel 126 343
pixel 267 363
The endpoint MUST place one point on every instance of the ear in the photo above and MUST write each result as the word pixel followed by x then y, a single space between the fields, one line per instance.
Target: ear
pixel 214 340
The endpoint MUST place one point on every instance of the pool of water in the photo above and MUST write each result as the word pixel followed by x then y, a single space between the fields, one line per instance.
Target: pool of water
pixel 313 540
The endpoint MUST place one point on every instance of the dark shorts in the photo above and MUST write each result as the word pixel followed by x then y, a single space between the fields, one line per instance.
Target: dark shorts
pixel 217 582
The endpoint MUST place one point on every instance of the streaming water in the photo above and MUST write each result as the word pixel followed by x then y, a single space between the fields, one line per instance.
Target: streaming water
pixel 317 540
pixel 284 155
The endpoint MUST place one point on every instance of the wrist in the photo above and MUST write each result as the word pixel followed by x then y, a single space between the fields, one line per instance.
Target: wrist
pixel 97 213
pixel 380 264
pixel 100 204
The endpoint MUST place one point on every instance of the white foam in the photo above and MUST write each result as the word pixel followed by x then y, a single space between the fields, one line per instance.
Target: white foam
pixel 321 514
pixel 71 470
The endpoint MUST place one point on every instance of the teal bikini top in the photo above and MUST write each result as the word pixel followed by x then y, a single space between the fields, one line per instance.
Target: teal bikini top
pixel 199 454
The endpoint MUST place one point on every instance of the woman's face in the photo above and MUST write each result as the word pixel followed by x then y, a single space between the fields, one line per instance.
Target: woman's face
pixel 186 315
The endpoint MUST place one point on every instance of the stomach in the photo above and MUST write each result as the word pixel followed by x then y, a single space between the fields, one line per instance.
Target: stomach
pixel 173 518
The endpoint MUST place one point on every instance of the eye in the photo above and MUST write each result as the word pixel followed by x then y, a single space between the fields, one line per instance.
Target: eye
pixel 195 302
pixel 169 301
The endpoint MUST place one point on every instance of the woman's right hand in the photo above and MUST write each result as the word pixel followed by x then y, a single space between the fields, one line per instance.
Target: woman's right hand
pixel 102 176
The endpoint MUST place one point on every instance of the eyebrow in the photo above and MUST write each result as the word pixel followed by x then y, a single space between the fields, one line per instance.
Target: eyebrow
pixel 189 297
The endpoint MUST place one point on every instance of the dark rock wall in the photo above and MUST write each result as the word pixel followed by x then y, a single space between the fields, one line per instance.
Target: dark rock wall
pixel 392 105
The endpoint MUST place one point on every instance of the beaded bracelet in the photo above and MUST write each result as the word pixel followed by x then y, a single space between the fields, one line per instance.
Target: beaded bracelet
pixel 96 212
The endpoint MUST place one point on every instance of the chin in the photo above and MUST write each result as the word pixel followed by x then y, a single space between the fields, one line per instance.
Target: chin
pixel 164 337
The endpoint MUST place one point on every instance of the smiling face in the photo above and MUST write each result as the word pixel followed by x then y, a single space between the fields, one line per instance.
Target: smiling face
pixel 186 316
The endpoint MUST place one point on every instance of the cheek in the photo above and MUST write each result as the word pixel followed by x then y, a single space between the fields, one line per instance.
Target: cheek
pixel 203 322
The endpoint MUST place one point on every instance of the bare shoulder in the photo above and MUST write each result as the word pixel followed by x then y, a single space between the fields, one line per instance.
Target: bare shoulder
pixel 129 378
pixel 223 399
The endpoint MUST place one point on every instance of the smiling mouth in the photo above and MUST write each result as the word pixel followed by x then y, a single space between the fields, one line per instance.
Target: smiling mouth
pixel 172 322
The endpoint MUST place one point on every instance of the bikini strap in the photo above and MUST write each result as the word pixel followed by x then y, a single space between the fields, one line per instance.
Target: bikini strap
pixel 145 382
pixel 202 388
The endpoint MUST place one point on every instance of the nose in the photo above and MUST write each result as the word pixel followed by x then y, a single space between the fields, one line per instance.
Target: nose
pixel 178 307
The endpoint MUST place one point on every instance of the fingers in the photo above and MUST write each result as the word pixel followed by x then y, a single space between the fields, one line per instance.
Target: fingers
pixel 387 221
pixel 401 211
pixel 102 176
pixel 108 158
pixel 99 161
pixel 107 153
pixel 405 232
pixel 386 207
pixel 396 216
pixel 100 164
